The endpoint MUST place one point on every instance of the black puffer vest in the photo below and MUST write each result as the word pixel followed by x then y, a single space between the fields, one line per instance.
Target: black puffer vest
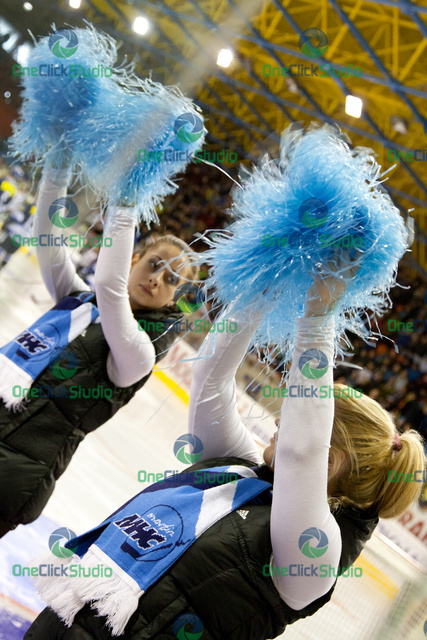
pixel 37 444
pixel 219 579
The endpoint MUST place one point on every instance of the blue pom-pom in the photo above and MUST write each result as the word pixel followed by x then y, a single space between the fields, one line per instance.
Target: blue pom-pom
pixel 130 145
pixel 100 118
pixel 318 210
pixel 51 102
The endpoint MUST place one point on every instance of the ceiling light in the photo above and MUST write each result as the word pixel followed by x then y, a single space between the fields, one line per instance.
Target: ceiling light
pixel 22 53
pixel 399 124
pixel 291 85
pixel 74 4
pixel 28 6
pixel 141 25
pixel 225 56
pixel 353 106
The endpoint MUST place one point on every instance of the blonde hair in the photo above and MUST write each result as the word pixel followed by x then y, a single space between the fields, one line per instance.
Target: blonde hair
pixel 365 432
pixel 154 240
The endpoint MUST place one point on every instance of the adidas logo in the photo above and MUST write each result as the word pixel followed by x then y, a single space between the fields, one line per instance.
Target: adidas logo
pixel 242 513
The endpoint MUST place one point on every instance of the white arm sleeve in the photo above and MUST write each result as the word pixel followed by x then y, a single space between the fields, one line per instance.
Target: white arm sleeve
pixel 301 473
pixel 213 415
pixel 57 269
pixel 132 354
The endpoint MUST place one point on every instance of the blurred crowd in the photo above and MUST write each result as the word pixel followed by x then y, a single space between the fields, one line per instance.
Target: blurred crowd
pixel 17 208
pixel 395 367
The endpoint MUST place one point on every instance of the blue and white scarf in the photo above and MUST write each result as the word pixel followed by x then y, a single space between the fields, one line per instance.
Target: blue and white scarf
pixel 24 358
pixel 143 539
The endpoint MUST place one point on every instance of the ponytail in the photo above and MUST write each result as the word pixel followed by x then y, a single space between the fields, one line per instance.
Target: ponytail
pixel 366 433
pixel 400 488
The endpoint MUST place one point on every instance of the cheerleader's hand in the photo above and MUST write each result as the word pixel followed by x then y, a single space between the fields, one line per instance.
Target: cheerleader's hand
pixel 326 290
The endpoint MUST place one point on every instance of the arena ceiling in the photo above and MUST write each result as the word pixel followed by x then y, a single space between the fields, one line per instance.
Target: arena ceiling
pixel 249 103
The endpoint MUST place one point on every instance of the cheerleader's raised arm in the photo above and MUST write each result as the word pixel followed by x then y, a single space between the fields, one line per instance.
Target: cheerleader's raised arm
pixel 57 269
pixel 132 354
pixel 300 492
pixel 301 465
pixel 213 414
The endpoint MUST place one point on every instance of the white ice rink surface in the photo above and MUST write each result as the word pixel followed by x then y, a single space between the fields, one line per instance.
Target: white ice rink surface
pixel 104 473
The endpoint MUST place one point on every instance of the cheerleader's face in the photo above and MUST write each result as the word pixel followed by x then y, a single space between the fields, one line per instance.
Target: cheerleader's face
pixel 154 277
